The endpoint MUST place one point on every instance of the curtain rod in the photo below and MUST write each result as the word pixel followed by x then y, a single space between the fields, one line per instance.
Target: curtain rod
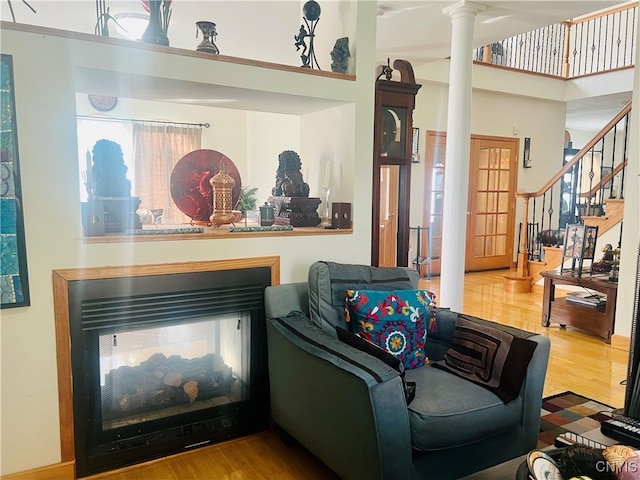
pixel 133 120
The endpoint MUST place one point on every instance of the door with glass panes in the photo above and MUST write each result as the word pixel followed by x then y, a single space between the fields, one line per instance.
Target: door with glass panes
pixel 491 202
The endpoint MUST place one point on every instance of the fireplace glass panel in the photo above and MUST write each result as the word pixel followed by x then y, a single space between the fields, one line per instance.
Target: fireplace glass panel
pixel 151 373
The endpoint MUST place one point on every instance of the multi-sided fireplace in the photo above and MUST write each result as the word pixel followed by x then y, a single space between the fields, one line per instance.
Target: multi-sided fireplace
pixel 162 360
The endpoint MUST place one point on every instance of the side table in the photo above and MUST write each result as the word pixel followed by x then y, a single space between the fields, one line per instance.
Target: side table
pixel 597 320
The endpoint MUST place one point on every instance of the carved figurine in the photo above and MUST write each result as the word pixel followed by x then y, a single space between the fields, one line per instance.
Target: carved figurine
pixel 289 180
pixel 340 55
pixel 109 171
pixel 300 39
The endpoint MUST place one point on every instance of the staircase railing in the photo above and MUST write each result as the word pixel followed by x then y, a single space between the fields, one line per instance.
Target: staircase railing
pixel 595 174
pixel 590 44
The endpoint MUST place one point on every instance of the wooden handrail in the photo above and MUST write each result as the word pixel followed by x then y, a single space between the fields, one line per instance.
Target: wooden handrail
pixel 583 151
pixel 604 13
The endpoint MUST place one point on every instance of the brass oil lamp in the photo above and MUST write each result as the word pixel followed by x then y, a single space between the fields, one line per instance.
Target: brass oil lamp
pixel 222 184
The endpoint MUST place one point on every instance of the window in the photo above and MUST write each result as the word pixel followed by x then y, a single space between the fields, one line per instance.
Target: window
pixel 150 151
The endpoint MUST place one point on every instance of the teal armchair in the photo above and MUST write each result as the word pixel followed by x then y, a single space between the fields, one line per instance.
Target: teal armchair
pixel 349 409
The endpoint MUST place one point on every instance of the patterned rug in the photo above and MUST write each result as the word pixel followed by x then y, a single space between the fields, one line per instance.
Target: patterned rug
pixel 569 412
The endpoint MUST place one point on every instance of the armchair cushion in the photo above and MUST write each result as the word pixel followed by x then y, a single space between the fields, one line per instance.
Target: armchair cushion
pixel 329 281
pixel 393 320
pixel 449 411
pixel 492 358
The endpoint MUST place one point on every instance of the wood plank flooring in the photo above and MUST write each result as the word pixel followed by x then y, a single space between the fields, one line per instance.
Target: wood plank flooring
pixel 579 362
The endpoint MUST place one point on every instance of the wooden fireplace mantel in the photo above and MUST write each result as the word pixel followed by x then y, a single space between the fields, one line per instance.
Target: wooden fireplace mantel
pixel 61 280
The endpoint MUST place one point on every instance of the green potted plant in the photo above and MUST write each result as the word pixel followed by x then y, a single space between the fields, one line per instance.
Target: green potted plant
pixel 247 200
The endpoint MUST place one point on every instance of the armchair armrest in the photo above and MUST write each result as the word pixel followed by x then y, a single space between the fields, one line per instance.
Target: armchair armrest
pixel 320 385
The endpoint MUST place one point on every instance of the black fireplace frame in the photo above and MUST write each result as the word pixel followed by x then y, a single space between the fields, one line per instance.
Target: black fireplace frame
pixel 104 304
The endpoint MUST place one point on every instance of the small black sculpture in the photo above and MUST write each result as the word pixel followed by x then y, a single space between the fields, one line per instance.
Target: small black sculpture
pixel 311 15
pixel 340 55
pixel 300 39
pixel 289 180
pixel 109 172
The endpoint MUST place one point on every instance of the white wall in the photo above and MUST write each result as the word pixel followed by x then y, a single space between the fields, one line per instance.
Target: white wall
pixel 46 122
pixel 494 113
pixel 627 287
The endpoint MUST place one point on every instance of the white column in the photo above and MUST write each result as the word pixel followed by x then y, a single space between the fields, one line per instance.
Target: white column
pixel 456 178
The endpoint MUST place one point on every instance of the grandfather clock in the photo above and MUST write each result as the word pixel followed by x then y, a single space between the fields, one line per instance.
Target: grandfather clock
pixel 393 135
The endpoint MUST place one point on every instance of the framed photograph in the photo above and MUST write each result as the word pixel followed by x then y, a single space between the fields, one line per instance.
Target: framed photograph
pixel 574 241
pixel 579 245
pixel 14 284
pixel 589 246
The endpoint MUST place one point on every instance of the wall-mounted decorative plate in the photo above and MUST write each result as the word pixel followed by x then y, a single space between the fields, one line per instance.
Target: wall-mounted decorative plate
pixel 102 103
pixel 190 187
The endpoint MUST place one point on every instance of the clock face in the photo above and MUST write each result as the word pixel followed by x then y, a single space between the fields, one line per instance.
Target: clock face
pixel 103 103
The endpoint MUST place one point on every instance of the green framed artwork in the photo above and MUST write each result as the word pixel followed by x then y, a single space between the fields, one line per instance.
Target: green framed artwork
pixel 14 283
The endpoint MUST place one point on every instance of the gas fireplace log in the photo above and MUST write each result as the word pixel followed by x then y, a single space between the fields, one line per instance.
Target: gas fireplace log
pixel 160 382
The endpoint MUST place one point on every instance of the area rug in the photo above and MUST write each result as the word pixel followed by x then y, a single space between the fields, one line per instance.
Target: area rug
pixel 569 412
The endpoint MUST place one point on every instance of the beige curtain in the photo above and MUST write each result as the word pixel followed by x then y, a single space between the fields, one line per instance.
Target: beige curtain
pixel 156 150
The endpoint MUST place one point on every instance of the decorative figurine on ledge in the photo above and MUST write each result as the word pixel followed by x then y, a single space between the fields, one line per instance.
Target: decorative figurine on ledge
pixel 209 35
pixel 311 15
pixel 289 181
pixel 290 194
pixel 111 208
pixel 109 172
pixel 340 55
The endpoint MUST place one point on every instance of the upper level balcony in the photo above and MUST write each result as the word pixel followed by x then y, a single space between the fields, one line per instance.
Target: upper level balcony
pixel 601 42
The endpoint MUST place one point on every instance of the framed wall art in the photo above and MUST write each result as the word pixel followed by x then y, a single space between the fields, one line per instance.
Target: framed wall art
pixel 579 245
pixel 526 156
pixel 14 283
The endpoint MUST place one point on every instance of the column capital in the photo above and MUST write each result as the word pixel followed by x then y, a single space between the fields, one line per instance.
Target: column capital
pixel 464 7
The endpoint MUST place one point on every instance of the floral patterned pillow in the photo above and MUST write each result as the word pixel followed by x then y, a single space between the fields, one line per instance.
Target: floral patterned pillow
pixel 394 320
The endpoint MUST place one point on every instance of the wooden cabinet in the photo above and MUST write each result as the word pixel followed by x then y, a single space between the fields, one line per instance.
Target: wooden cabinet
pixel 598 320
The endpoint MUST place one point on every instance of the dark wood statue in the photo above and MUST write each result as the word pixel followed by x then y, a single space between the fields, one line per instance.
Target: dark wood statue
pixel 111 208
pixel 290 195
pixel 289 181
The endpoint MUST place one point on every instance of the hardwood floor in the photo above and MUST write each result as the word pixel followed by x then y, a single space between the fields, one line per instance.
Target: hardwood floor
pixel 579 362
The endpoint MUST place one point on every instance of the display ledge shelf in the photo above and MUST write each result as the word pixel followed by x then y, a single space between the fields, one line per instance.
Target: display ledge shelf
pixel 216 233
pixel 20 27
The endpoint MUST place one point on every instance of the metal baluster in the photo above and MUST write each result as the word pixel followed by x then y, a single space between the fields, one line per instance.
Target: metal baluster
pixel 592 47
pixel 613 159
pixel 597 49
pixel 538 50
pixel 577 182
pixel 550 211
pixel 626 29
pixel 592 174
pixel 624 154
pixel 559 49
pixel 604 52
pixel 613 29
pixel 578 63
pixel 534 241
